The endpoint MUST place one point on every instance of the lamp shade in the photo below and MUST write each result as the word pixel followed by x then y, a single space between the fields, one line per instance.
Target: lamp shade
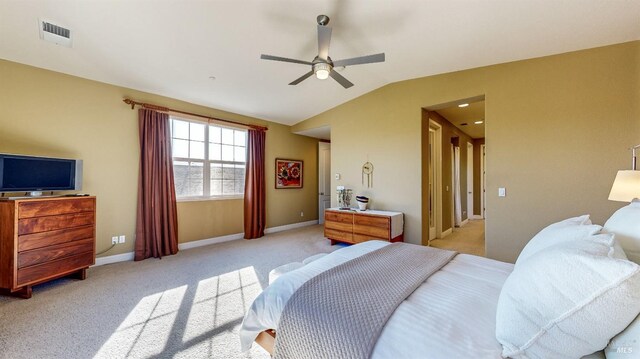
pixel 626 186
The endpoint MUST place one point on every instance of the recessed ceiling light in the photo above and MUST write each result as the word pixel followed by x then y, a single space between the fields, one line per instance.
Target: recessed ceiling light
pixel 463 105
pixel 478 122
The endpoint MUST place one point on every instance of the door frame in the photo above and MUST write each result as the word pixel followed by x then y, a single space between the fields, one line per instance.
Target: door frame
pixel 437 129
pixel 324 178
pixel 470 149
pixel 483 179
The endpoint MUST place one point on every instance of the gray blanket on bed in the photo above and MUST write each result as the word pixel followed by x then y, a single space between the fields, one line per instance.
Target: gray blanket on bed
pixel 340 313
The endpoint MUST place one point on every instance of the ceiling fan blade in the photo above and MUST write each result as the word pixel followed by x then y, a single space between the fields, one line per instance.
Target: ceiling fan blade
pixel 341 80
pixel 324 38
pixel 302 78
pixel 360 60
pixel 284 59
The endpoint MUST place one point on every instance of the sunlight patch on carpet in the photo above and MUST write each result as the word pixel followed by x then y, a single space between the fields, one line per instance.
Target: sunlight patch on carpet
pixel 147 326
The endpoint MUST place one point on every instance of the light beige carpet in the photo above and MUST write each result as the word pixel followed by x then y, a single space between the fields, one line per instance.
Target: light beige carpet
pixel 467 239
pixel 185 306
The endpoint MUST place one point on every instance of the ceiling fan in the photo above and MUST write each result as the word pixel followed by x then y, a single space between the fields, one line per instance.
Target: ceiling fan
pixel 322 65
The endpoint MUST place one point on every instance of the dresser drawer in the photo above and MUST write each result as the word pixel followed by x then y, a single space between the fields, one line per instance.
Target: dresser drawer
pixel 371 231
pixel 338 235
pixel 372 226
pixel 31 209
pixel 45 239
pixel 331 216
pixel 52 223
pixel 372 221
pixel 359 238
pixel 51 253
pixel 45 271
pixel 339 226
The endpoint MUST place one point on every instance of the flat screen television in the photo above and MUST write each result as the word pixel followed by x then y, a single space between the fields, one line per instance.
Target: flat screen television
pixel 33 174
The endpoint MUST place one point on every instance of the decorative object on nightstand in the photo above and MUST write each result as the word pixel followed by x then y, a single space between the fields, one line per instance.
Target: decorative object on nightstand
pixel 367 170
pixel 362 202
pixel 626 186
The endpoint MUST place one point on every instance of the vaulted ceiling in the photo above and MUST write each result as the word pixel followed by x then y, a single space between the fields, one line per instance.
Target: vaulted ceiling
pixel 208 52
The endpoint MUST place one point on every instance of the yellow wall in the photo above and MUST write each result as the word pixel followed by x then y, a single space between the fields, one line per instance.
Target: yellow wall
pixel 52 114
pixel 558 128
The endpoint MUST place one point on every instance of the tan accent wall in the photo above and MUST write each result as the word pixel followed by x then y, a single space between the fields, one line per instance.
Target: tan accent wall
pixel 52 114
pixel 477 176
pixel 559 129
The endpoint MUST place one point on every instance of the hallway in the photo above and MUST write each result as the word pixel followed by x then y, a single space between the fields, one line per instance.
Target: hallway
pixel 466 239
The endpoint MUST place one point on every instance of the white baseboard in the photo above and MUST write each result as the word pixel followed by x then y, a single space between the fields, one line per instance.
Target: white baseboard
pixel 124 257
pixel 447 232
pixel 476 216
pixel 290 226
pixel 464 222
pixel 208 241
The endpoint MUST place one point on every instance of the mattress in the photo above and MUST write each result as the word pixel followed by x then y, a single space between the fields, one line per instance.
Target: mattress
pixel 452 314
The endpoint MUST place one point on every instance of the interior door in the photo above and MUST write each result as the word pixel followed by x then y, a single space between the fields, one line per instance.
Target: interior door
pixel 324 179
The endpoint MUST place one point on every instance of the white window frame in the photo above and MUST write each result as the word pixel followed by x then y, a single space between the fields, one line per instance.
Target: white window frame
pixel 206 170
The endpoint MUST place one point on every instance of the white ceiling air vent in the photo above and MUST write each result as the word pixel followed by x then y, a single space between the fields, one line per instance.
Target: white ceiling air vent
pixel 54 33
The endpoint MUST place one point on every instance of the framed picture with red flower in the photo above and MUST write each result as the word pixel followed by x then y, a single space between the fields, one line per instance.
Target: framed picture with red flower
pixel 288 173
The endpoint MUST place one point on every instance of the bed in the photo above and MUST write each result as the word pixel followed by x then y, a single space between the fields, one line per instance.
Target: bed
pixel 452 314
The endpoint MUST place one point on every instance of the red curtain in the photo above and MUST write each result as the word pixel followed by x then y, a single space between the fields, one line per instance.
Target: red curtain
pixel 254 188
pixel 157 219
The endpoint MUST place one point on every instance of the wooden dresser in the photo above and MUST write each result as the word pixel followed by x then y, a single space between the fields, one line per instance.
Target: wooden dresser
pixel 352 226
pixel 43 239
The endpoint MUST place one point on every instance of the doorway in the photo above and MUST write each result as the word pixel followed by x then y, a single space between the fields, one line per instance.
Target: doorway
pixel 459 192
pixel 324 179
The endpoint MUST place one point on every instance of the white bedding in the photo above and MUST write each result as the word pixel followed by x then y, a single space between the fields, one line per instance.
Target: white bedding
pixel 451 315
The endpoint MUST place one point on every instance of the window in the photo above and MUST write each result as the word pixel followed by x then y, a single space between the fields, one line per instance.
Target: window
pixel 208 160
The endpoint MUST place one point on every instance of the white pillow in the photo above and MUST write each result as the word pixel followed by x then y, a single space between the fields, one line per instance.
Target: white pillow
pixel 625 345
pixel 567 300
pixel 567 230
pixel 625 224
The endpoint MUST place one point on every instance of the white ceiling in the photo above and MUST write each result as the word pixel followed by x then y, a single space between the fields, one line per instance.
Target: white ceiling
pixel 172 47
pixel 464 118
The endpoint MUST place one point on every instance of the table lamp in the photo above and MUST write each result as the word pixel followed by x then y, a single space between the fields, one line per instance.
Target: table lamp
pixel 626 186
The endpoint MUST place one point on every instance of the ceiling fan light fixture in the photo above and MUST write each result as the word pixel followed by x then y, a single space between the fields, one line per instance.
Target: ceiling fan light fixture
pixel 322 70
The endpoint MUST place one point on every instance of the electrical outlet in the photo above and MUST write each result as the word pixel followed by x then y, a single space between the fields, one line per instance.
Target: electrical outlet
pixel 114 240
pixel 121 239
pixel 301 213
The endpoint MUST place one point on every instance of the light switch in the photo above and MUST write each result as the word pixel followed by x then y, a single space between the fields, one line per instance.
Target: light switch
pixel 337 176
pixel 502 192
